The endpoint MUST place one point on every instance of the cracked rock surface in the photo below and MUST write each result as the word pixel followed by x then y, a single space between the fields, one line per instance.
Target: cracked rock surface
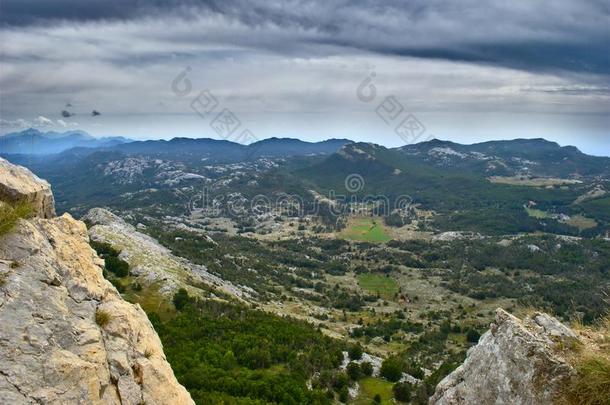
pixel 515 362
pixel 52 350
pixel 19 184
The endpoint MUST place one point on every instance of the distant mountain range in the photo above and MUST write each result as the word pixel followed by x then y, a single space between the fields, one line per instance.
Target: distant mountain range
pixel 494 158
pixel 35 142
pixel 200 148
pixel 484 187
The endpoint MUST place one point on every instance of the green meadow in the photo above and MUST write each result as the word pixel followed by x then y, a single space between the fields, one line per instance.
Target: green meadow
pixel 366 229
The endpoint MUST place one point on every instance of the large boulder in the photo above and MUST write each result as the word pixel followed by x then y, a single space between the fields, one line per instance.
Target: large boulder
pixel 517 362
pixel 19 184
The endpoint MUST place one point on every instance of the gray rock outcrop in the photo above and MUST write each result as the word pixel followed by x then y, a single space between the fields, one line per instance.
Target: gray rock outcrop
pixel 19 184
pixel 149 261
pixel 516 362
pixel 66 335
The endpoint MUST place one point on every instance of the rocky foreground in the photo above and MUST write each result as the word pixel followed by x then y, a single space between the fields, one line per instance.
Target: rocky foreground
pixel 515 362
pixel 66 335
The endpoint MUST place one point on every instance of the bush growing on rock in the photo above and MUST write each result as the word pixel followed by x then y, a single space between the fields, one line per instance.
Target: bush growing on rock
pixel 102 318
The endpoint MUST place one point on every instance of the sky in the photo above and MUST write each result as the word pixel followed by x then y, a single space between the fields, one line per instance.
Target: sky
pixel 390 72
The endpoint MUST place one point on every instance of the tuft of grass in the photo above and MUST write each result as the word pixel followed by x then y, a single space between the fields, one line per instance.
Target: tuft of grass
pixel 102 318
pixel 148 353
pixel 591 385
pixel 3 277
pixel 591 361
pixel 11 213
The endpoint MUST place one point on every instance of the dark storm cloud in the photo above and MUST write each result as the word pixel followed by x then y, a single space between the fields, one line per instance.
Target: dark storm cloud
pixel 562 35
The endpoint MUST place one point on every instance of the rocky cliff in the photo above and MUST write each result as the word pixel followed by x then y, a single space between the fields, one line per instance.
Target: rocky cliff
pixel 19 184
pixel 515 362
pixel 66 335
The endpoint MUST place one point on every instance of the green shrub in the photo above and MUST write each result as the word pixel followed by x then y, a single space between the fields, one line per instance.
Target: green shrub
pixel 472 336
pixel 366 368
pixel 181 298
pixel 104 249
pixel 355 352
pixel 11 213
pixel 353 371
pixel 402 391
pixel 112 263
pixel 391 369
pixel 119 267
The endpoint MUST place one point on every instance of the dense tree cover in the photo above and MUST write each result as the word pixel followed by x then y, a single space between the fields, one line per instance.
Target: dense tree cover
pixel 388 328
pixel 569 277
pixel 463 199
pixel 237 355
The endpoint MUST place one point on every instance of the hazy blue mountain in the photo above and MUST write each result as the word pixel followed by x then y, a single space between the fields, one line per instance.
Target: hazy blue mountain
pixel 34 142
pixel 200 148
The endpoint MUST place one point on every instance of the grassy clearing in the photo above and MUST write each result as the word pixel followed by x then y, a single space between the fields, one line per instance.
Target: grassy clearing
pixel 11 213
pixel 366 229
pixel 151 300
pixel 369 387
pixel 532 181
pixel 378 284
pixel 533 212
pixel 581 222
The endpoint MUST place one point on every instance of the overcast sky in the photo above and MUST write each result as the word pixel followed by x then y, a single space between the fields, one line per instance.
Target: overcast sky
pixel 467 71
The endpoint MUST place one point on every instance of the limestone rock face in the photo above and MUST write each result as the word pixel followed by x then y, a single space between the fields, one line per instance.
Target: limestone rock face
pixel 149 261
pixel 19 184
pixel 52 349
pixel 515 362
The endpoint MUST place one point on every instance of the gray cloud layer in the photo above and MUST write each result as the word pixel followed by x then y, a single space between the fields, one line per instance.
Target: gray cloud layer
pixel 279 63
pixel 563 34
